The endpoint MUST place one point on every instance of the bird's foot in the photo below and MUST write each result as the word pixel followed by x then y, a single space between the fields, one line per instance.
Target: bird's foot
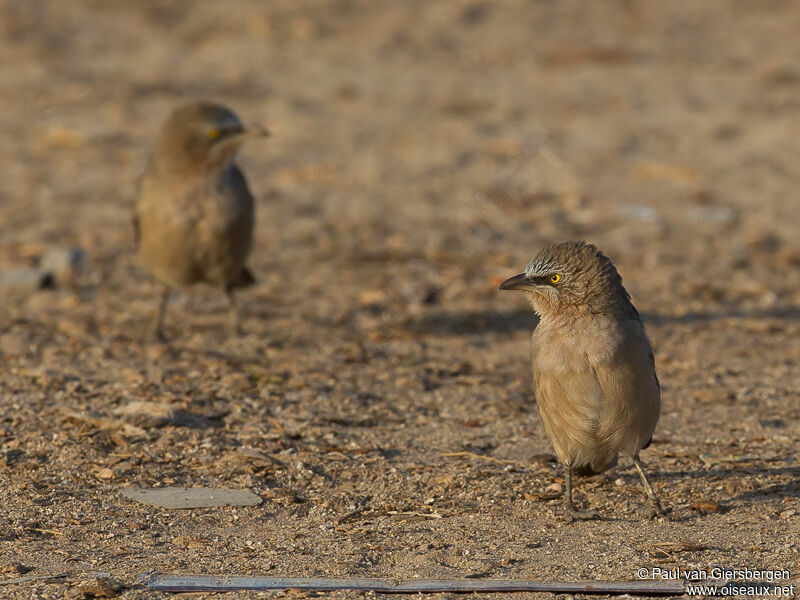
pixel 571 515
pixel 235 326
pixel 654 510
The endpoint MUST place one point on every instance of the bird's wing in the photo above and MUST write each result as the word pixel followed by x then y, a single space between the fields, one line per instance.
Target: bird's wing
pixel 245 279
pixel 631 392
pixel 655 375
pixel 240 189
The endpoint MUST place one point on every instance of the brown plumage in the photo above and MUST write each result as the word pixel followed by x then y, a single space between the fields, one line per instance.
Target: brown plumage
pixel 593 366
pixel 194 215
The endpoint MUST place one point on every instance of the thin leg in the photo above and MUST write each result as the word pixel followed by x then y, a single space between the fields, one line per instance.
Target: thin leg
pixel 233 309
pixel 161 311
pixel 568 488
pixel 569 508
pixel 651 494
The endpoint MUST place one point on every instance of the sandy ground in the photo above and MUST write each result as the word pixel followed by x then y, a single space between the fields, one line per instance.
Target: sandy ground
pixel 380 401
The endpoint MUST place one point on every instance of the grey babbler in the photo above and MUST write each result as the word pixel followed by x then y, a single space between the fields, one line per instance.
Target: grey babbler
pixel 194 214
pixel 593 366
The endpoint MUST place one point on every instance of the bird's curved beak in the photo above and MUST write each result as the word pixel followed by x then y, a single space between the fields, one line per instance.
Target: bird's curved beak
pixel 240 134
pixel 232 141
pixel 256 130
pixel 518 282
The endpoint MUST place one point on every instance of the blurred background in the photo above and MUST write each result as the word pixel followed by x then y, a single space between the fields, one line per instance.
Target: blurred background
pixel 421 153
pixel 459 136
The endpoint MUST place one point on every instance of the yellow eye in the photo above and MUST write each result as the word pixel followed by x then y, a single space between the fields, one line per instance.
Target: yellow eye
pixel 214 133
pixel 555 278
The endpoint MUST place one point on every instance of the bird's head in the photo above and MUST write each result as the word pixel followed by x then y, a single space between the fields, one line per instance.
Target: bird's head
pixel 571 277
pixel 202 135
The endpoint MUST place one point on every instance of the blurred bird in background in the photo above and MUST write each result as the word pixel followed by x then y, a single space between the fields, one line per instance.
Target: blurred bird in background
pixel 195 213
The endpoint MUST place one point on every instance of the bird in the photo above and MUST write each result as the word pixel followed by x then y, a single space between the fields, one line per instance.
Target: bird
pixel 194 215
pixel 593 366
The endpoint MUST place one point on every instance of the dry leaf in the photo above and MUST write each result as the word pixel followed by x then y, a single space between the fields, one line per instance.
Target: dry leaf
pixel 190 541
pixel 706 506
pixel 105 473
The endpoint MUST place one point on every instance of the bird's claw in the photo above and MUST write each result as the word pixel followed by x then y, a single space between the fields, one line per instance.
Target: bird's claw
pixel 571 515
pixel 654 511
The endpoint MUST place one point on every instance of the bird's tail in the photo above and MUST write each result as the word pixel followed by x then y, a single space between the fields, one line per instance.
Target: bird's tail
pixel 245 279
pixel 594 468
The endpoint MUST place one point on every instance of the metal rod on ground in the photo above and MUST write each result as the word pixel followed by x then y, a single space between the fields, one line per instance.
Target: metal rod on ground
pixel 221 583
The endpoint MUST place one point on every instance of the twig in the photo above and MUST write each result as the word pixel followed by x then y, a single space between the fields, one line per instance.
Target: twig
pixel 360 508
pixel 53 532
pixel 218 583
pixel 31 578
pixel 239 359
pixel 479 457
pixel 411 513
